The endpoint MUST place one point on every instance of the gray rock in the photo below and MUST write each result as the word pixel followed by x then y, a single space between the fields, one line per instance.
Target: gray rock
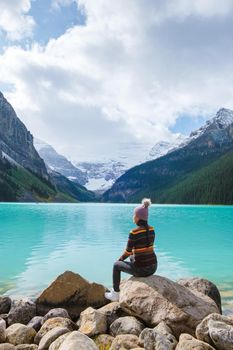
pixel 124 341
pixel 7 346
pixel 126 325
pixel 103 341
pixel 4 317
pixel 57 343
pixel 27 347
pixel 158 338
pixel 22 311
pixel 71 292
pixel 92 322
pixel 58 312
pixel 20 334
pixel 5 304
pixel 187 342
pixel 51 336
pixel 203 286
pixel 221 335
pixel 52 323
pixel 36 322
pixel 203 329
pixel 2 331
pixel 78 340
pixel 113 311
pixel 154 299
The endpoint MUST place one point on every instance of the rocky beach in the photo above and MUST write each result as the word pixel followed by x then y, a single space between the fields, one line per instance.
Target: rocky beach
pixel 153 313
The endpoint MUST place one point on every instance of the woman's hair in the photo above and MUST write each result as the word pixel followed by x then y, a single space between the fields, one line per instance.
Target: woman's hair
pixel 145 224
pixel 146 202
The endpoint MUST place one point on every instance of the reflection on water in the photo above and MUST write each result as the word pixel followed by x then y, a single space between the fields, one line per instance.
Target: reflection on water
pixel 40 241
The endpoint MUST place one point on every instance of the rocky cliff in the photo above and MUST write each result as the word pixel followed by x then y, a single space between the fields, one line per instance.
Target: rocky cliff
pixel 16 142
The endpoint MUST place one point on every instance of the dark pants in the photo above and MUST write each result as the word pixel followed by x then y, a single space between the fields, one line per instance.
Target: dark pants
pixel 129 267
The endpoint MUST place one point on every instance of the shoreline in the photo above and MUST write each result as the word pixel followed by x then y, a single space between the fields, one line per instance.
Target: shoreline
pixel 73 313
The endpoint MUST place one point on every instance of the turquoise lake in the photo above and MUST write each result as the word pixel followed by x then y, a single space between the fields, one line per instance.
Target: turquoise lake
pixel 40 241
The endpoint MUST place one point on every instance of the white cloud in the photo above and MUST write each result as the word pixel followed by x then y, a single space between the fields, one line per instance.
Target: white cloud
pixel 127 74
pixel 14 20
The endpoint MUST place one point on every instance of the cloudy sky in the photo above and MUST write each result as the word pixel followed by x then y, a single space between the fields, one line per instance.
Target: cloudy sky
pixel 89 75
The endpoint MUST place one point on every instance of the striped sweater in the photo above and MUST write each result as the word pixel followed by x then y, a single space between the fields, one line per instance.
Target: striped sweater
pixel 141 247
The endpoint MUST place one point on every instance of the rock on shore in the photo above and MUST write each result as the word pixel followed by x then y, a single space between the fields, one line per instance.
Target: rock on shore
pixel 154 299
pixel 71 292
pixel 154 313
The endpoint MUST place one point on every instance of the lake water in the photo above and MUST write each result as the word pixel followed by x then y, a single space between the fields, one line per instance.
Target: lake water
pixel 40 241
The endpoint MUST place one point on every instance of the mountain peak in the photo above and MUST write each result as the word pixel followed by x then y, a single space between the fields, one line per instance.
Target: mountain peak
pixel 224 117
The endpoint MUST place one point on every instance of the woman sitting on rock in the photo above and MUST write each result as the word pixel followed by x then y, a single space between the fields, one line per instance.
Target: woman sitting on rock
pixel 143 261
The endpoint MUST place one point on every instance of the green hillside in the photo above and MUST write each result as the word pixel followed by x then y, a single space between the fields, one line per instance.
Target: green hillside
pixel 212 184
pixel 72 189
pixel 20 185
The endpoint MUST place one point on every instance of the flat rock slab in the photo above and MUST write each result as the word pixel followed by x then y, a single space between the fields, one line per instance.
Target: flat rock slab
pixel 71 292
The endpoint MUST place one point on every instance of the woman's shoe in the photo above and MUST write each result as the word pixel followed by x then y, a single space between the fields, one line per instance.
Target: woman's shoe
pixel 112 295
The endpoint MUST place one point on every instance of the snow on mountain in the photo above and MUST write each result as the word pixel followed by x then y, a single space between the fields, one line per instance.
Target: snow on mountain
pixel 59 163
pixel 163 147
pixel 102 174
pixel 222 119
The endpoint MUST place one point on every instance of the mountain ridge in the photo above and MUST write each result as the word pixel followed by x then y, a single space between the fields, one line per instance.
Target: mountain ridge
pixel 203 147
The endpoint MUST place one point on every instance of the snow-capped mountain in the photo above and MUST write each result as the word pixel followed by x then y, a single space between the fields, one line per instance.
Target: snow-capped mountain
pixel 163 147
pixel 174 178
pixel 59 163
pixel 223 118
pixel 102 174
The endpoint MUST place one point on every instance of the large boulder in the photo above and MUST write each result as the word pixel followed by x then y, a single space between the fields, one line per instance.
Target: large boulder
pixel 71 292
pixel 52 323
pixel 126 325
pixel 154 299
pixel 217 330
pixel 78 340
pixel 187 342
pixel 92 322
pixel 5 304
pixel 22 311
pixel 204 286
pixel 158 338
pixel 20 334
